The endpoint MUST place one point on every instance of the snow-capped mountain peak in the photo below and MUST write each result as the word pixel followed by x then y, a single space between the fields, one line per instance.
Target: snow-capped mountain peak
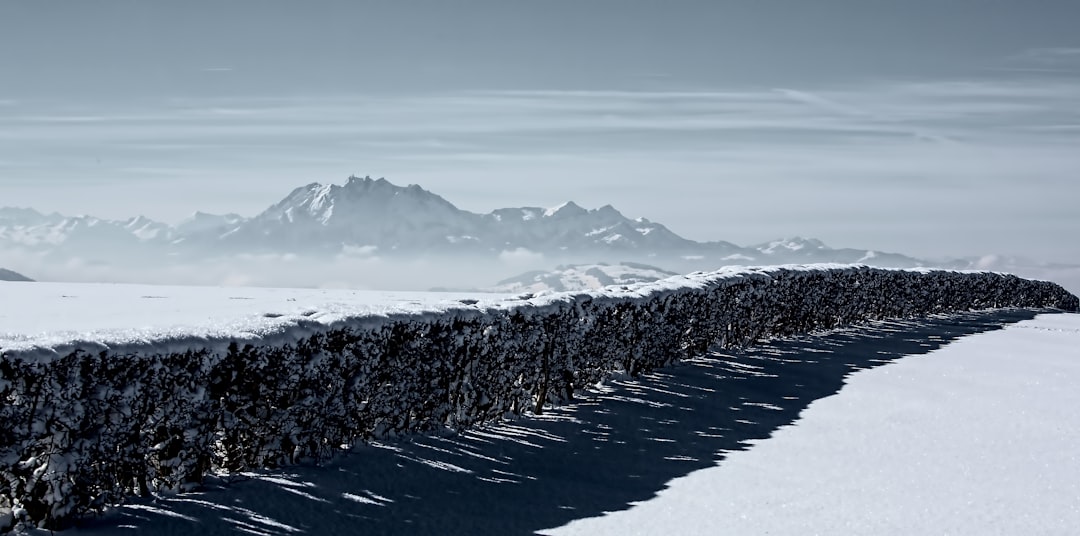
pixel 364 212
pixel 312 201
pixel 360 199
pixel 382 219
pixel 568 209
pixel 146 229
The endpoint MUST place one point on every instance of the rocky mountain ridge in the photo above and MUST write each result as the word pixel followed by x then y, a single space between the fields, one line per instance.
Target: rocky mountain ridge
pixel 377 218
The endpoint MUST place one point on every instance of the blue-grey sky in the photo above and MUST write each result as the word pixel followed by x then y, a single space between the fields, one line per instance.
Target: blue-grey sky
pixel 929 127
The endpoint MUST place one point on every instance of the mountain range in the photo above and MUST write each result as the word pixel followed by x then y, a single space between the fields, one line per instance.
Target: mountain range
pixel 370 233
pixel 375 218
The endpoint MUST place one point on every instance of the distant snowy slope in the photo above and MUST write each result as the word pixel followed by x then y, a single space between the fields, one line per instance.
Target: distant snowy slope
pixel 581 277
pixel 571 227
pixel 8 275
pixel 81 235
pixel 798 249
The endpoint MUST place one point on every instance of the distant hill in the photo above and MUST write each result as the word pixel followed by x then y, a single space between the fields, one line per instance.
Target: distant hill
pixel 8 275
pixel 581 277
pixel 384 220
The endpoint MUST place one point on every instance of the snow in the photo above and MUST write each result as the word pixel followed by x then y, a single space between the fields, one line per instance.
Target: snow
pixel 406 223
pixel 555 210
pixel 738 257
pixel 978 437
pixel 50 314
pixel 580 277
pixel 588 330
pixel 789 244
pixel 870 255
pixel 975 437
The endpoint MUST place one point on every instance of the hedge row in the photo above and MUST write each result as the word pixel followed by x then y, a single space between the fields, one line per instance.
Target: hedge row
pixel 87 427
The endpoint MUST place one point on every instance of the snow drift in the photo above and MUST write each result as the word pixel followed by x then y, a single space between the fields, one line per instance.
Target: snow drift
pixel 89 422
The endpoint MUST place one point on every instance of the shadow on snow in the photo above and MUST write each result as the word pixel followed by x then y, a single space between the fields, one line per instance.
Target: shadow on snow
pixel 616 445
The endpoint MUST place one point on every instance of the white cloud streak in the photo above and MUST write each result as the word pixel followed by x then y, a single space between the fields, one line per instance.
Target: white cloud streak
pixel 949 152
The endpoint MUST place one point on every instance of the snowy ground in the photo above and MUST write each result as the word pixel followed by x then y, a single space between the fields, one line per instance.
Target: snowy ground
pixel 53 313
pixel 979 437
pixel 968 429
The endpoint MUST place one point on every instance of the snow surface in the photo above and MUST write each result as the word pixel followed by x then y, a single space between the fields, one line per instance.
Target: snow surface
pixel 50 314
pixel 975 437
pixel 56 316
pixel 53 318
pixel 978 437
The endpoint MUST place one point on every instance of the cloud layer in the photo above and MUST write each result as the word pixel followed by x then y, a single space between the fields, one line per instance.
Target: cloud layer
pixel 927 167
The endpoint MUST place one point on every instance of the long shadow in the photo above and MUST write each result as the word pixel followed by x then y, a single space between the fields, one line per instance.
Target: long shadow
pixel 618 444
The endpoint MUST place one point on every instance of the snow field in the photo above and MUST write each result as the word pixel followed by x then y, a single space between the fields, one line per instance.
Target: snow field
pixel 976 437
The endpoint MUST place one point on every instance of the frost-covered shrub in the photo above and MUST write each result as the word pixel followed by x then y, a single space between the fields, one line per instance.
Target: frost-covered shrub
pixel 86 427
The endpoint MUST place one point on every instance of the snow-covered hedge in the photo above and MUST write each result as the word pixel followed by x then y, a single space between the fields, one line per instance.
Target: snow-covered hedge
pixel 86 425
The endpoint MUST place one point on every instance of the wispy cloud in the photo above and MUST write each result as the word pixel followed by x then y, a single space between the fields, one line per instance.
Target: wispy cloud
pixel 1051 55
pixel 923 109
pixel 587 121
pixel 1042 61
pixel 1006 143
pixel 66 118
pixel 834 106
pixel 820 102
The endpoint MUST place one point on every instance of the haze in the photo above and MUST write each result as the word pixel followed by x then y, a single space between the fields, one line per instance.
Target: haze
pixel 931 128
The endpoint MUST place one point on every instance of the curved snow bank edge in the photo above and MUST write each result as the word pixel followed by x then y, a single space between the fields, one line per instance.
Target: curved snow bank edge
pixel 88 423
